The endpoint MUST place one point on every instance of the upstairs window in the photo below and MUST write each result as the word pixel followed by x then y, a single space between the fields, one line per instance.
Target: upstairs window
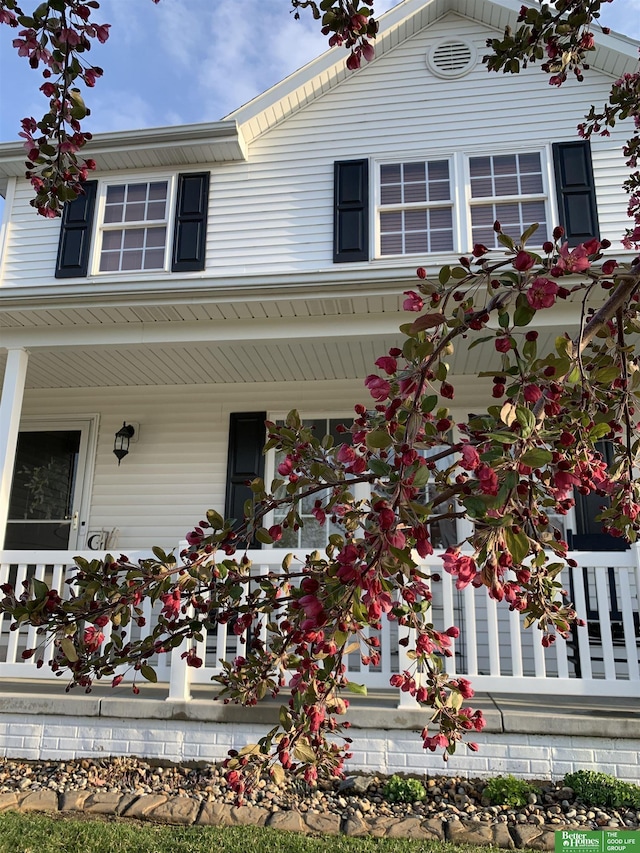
pixel 134 227
pixel 151 225
pixel 508 188
pixel 416 209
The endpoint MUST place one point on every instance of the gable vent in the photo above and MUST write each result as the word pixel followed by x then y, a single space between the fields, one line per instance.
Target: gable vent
pixel 451 58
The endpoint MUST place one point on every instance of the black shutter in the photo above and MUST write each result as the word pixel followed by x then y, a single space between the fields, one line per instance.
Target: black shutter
pixel 575 190
pixel 190 237
pixel 75 233
pixel 351 211
pixel 589 535
pixel 247 437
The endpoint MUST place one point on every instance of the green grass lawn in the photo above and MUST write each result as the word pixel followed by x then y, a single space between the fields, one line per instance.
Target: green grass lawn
pixel 36 833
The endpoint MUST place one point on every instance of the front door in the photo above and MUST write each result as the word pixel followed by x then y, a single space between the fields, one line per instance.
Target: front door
pixel 46 492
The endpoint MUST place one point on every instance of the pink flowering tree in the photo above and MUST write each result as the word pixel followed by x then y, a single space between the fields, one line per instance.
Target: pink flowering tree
pixel 508 469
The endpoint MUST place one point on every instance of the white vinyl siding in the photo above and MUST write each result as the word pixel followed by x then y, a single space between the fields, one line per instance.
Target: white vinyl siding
pixel 274 213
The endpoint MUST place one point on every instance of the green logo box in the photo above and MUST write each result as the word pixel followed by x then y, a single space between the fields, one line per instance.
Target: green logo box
pixel 597 841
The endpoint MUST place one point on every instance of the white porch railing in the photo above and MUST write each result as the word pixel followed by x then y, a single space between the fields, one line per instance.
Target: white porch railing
pixel 493 650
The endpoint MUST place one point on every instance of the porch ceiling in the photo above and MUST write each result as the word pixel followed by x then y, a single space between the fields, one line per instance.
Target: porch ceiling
pixel 220 362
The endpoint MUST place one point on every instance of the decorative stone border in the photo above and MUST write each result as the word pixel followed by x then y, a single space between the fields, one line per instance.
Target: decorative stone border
pixel 187 811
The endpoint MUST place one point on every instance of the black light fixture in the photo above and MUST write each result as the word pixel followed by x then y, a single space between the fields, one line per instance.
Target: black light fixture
pixel 121 443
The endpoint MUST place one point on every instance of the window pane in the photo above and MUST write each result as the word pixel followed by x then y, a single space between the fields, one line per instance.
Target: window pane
pixel 391 244
pixel 439 191
pixel 109 262
pixel 415 193
pixel 441 241
pixel 480 167
pixel 134 238
pixel 136 193
pixel 481 187
pixel 156 237
pixel 415 220
pixel 390 173
pixel 507 185
pixel 154 259
pixel 440 218
pixel 390 222
pixel 391 194
pixel 132 260
pixel 416 241
pixel 438 170
pixel 134 212
pixel 504 165
pixel 113 213
pixel 158 191
pixel 156 210
pixel 115 194
pixel 482 214
pixel 530 184
pixel 414 172
pixel 529 162
pixel 112 239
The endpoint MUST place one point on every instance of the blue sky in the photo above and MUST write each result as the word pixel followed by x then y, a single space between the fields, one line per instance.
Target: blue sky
pixel 186 61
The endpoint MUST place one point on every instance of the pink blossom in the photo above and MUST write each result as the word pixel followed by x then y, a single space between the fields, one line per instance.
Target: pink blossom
pixel 503 343
pixel 470 458
pixel 488 480
pixel 93 639
pixel 571 262
pixel 414 302
pixel 171 604
pixel 387 363
pixel 542 293
pixel 378 388
pixel 447 390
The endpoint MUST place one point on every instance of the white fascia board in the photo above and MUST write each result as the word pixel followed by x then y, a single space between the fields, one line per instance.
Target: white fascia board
pixel 143 143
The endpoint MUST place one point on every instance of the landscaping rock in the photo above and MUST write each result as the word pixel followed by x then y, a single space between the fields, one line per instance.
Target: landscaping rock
pixel 39 801
pixel 288 821
pixel 180 811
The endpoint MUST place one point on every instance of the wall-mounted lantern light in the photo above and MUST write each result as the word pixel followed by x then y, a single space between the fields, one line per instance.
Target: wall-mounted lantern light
pixel 122 439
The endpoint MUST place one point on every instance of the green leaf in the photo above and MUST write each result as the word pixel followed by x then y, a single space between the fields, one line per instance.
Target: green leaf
pixel 358 689
pixel 505 240
pixel 517 543
pixel 475 506
pixel 304 753
pixel 262 535
pixel 524 313
pixel 599 431
pixel 149 673
pixel 69 649
pixel 607 374
pixel 421 477
pixel 40 589
pixel 537 457
pixel 444 275
pixel 503 319
pixel 429 403
pixel 529 232
pixel 526 419
pixel 379 439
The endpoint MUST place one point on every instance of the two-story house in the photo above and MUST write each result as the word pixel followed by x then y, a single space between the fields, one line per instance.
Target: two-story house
pixel 217 274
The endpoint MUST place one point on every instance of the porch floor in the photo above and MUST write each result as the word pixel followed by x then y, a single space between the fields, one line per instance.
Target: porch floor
pixel 505 713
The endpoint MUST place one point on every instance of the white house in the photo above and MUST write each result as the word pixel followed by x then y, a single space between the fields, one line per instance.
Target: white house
pixel 216 274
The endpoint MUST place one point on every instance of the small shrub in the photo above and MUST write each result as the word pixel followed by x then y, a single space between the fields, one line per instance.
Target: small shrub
pixel 507 791
pixel 600 789
pixel 399 790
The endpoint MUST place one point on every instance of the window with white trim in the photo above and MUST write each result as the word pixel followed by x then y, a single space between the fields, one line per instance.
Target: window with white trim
pixel 508 188
pixel 134 226
pixel 447 204
pixel 416 208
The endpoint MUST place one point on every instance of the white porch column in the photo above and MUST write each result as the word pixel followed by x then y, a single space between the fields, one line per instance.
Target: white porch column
pixel 15 375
